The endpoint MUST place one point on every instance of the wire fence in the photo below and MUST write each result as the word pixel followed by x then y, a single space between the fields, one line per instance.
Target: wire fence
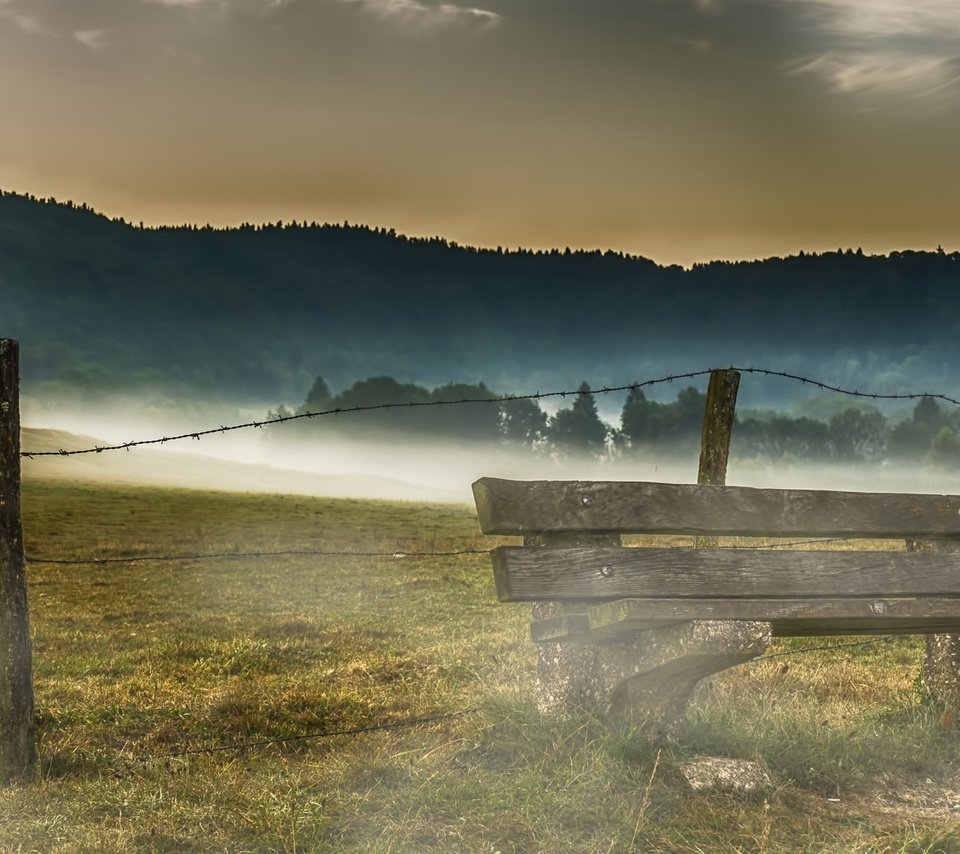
pixel 496 399
pixel 403 553
pixel 202 556
pixel 395 553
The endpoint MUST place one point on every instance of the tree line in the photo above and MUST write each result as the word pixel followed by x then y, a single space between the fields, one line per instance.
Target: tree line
pixel 853 434
pixel 246 314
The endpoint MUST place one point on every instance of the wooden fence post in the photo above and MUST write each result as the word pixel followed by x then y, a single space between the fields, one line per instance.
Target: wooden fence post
pixel 718 426
pixel 17 726
pixel 721 411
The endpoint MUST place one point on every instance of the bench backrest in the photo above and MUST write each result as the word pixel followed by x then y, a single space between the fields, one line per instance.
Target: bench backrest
pixel 536 507
pixel 801 592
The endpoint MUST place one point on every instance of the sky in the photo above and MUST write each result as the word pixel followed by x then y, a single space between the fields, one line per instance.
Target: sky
pixel 680 130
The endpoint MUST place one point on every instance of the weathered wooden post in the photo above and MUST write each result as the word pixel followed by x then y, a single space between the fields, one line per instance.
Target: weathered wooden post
pixel 17 727
pixel 718 421
pixel 718 426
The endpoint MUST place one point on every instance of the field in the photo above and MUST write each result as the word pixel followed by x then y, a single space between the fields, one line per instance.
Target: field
pixel 138 667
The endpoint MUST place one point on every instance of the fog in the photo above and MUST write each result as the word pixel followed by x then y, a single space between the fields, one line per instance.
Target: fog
pixel 284 460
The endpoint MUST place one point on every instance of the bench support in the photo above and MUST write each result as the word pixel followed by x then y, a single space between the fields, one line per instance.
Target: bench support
pixel 941 660
pixel 649 677
pixel 652 675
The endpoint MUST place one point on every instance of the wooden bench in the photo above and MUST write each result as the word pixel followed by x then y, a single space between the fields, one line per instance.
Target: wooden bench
pixel 572 554
pixel 631 631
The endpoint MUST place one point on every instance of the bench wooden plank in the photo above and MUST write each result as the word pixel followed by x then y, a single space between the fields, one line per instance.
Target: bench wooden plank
pixel 532 574
pixel 622 619
pixel 641 611
pixel 789 617
pixel 523 507
pixel 579 633
pixel 878 626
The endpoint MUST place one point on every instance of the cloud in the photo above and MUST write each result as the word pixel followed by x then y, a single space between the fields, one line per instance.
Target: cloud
pixel 887 18
pixel 29 24
pixel 189 3
pixel 883 46
pixel 698 45
pixel 877 72
pixel 93 39
pixel 419 15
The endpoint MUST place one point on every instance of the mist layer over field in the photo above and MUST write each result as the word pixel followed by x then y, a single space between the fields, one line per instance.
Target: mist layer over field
pixel 254 460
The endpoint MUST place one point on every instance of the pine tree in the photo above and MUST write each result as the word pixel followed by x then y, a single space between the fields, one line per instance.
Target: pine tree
pixel 579 430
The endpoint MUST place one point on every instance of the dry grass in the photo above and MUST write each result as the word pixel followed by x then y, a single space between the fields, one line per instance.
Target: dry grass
pixel 134 662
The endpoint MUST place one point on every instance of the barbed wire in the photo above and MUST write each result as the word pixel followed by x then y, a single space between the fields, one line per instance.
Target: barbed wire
pixel 198 556
pixel 498 399
pixel 372 407
pixel 805 649
pixel 786 545
pixel 849 392
pixel 395 553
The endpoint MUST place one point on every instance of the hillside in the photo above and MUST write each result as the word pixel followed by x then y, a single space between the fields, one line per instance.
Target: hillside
pixel 255 313
pixel 170 468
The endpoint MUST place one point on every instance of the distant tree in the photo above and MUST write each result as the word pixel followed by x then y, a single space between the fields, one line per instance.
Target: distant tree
pixel 389 416
pixel 374 392
pixel 579 430
pixel 945 450
pixel 856 436
pixel 467 422
pixel 911 439
pixel 782 437
pixel 645 422
pixel 640 418
pixel 318 398
pixel 523 423
pixel 928 411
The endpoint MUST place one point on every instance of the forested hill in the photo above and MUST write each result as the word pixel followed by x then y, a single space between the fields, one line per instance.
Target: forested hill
pixel 257 312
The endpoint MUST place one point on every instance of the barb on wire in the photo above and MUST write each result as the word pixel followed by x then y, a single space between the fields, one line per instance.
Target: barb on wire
pixel 243 745
pixel 282 419
pixel 397 553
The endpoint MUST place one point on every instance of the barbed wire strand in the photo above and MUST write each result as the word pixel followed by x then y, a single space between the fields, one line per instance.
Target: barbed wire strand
pixel 283 419
pixel 499 399
pixel 244 745
pixel 805 649
pixel 396 553
pixel 849 392
pixel 196 556
pixel 786 545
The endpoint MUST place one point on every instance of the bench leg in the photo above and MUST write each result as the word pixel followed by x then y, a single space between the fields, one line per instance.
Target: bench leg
pixel 941 660
pixel 660 696
pixel 941 669
pixel 650 677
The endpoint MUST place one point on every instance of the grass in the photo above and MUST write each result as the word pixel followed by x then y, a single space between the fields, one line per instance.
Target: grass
pixel 137 663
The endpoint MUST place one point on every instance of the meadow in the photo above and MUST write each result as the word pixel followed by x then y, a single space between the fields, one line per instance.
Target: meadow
pixel 141 667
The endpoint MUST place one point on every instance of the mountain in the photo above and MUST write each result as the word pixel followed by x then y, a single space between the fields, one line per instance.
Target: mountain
pixel 255 313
